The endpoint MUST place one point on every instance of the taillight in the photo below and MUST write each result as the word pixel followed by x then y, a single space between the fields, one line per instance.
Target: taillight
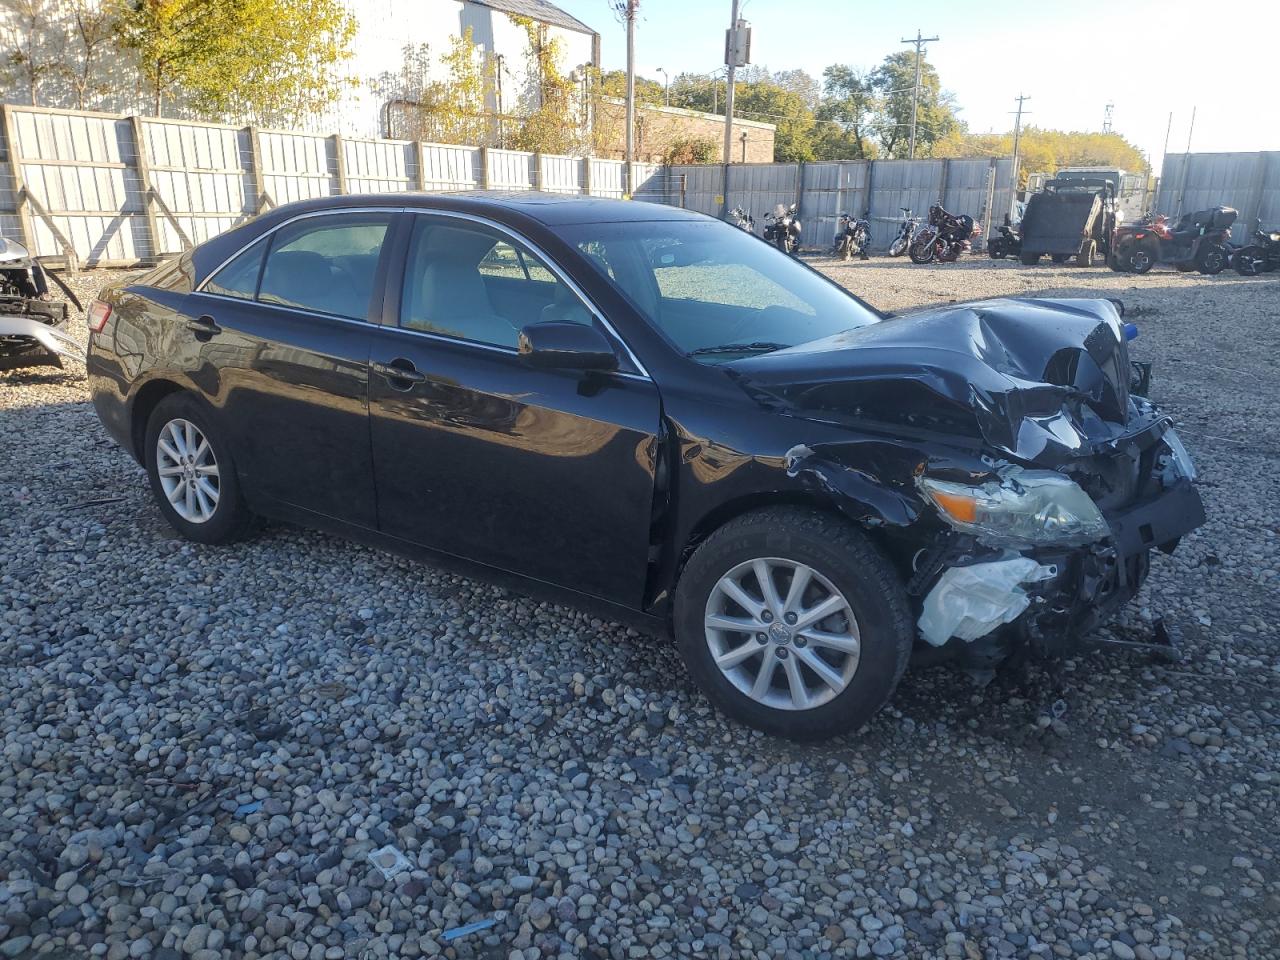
pixel 99 314
pixel 1138 236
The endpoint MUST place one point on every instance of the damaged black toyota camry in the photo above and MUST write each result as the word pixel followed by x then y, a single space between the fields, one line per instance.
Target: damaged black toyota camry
pixel 656 415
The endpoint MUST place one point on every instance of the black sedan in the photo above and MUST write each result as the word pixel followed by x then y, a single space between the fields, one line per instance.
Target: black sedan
pixel 657 415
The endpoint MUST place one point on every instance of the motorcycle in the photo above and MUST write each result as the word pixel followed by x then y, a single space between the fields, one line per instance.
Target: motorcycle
pixel 743 220
pixel 782 229
pixel 1260 256
pixel 1198 241
pixel 944 238
pixel 906 233
pixel 1008 244
pixel 854 237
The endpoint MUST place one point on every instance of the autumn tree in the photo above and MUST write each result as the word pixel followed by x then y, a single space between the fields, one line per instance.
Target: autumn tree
pixel 449 104
pixel 275 61
pixel 845 116
pixel 893 83
pixel 33 41
pixel 549 122
pixel 92 28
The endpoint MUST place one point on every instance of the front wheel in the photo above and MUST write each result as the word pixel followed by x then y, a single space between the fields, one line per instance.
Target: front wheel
pixel 997 249
pixel 1212 259
pixel 1030 259
pixel 793 622
pixel 924 247
pixel 899 245
pixel 1141 258
pixel 1249 261
pixel 192 473
pixel 1088 250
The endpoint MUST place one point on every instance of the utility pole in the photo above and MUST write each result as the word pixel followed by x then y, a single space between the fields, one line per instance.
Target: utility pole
pixel 728 94
pixel 1017 139
pixel 630 13
pixel 919 42
pixel 1107 113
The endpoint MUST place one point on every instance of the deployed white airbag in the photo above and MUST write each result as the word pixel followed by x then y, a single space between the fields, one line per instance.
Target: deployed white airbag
pixel 969 602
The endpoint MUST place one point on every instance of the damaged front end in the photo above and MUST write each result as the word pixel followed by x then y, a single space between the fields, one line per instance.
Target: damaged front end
pixel 1026 481
pixel 32 322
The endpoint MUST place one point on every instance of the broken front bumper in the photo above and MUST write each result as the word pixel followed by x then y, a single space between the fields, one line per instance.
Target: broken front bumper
pixel 25 342
pixel 984 601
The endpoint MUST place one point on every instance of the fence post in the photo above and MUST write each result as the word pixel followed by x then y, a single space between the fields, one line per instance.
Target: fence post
pixel 684 189
pixel 484 168
pixel 799 186
pixel 724 191
pixel 144 180
pixel 942 185
pixel 340 155
pixel 259 182
pixel 586 176
pixel 420 151
pixel 989 204
pixel 19 185
pixel 539 171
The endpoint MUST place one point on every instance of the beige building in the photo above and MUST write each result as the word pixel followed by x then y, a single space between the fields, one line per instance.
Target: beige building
pixel 659 128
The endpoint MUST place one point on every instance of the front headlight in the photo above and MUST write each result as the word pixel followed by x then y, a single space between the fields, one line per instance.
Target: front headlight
pixel 1028 507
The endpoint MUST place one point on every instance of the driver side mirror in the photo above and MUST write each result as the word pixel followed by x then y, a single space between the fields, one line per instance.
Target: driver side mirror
pixel 556 345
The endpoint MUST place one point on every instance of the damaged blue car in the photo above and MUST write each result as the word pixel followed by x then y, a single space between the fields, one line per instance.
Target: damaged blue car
pixel 654 415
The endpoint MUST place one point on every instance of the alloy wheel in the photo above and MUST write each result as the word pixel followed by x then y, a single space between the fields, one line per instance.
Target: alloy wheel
pixel 188 471
pixel 782 633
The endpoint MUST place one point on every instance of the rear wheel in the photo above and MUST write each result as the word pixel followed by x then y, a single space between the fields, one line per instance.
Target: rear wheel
pixel 997 249
pixel 1058 257
pixel 192 473
pixel 1030 259
pixel 1087 251
pixel 1212 259
pixel 1140 258
pixel 792 622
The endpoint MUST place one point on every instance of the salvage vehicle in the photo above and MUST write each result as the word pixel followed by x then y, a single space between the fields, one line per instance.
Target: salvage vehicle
pixel 1007 244
pixel 33 324
pixel 650 413
pixel 1070 218
pixel 1260 255
pixel 1197 241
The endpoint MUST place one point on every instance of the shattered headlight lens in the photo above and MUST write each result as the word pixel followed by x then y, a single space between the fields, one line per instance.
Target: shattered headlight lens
pixel 1029 507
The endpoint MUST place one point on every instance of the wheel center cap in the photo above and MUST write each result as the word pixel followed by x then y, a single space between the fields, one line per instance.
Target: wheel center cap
pixel 779 633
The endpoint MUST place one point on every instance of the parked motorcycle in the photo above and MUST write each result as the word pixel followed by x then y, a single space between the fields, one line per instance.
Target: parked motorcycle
pixel 1008 244
pixel 1260 256
pixel 853 238
pixel 782 229
pixel 743 220
pixel 906 233
pixel 944 238
pixel 1198 241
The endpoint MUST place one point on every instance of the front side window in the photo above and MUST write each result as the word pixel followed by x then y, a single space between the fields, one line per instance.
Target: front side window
pixel 716 292
pixel 239 278
pixel 474 283
pixel 325 264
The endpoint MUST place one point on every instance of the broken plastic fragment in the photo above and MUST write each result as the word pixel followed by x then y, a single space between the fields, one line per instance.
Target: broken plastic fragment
pixel 390 861
pixel 456 932
pixel 253 806
pixel 969 602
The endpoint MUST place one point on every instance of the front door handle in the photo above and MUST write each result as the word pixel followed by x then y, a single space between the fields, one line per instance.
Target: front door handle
pixel 204 327
pixel 400 373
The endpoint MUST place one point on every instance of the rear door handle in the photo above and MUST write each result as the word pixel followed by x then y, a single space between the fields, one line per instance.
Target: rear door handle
pixel 204 327
pixel 400 373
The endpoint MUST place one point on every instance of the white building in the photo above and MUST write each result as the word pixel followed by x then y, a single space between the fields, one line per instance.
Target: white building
pixel 385 29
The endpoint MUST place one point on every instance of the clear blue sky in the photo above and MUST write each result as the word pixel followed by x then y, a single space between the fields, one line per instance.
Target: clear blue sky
pixel 1071 58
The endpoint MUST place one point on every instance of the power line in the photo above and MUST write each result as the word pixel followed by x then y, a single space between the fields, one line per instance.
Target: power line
pixel 919 42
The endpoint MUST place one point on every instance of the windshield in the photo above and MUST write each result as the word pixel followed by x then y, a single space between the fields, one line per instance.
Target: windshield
pixel 715 291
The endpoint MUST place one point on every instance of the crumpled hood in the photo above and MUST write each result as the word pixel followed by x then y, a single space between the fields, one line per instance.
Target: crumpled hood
pixel 1042 380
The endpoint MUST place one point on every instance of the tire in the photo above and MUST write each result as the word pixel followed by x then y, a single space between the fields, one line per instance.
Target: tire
pixel 1059 257
pixel 844 565
pixel 997 249
pixel 227 519
pixel 1030 259
pixel 1087 251
pixel 1212 259
pixel 899 246
pixel 1249 261
pixel 1141 258
pixel 924 247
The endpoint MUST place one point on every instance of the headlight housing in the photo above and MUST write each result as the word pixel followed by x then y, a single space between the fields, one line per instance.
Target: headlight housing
pixel 1024 508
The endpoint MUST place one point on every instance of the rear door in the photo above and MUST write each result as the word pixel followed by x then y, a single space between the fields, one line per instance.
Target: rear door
pixel 545 473
pixel 287 333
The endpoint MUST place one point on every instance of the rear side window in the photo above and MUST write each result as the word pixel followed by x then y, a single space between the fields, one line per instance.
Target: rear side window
pixel 325 264
pixel 239 278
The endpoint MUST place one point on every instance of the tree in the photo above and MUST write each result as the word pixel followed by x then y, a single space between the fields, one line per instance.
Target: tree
pixel 845 114
pixel 893 83
pixel 613 83
pixel 452 110
pixel 34 54
pixel 93 27
pixel 692 150
pixel 1045 151
pixel 768 102
pixel 275 60
pixel 549 122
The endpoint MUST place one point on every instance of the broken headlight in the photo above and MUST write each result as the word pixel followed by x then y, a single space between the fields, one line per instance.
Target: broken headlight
pixel 1027 507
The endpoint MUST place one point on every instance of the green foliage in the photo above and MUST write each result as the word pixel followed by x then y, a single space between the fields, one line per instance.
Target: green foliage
pixel 1045 151
pixel 893 83
pixel 613 83
pixel 452 110
pixel 845 115
pixel 275 60
pixel 693 150
pixel 549 122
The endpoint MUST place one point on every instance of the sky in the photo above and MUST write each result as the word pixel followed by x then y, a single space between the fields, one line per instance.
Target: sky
pixel 1071 59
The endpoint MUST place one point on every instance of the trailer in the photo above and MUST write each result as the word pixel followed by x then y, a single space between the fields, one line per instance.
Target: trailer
pixel 1072 217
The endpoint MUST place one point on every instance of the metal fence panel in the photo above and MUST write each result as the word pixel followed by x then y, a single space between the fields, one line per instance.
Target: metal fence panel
pixel 203 174
pixel 80 167
pixel 297 166
pixel 10 225
pixel 379 166
pixel 561 174
pixel 650 183
pixel 1250 182
pixel 449 167
pixel 831 189
pixel 702 186
pixel 606 178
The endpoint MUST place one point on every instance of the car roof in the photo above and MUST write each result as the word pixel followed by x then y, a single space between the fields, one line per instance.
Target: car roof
pixel 545 208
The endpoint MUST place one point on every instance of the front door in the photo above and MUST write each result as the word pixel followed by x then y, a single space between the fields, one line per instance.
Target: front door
pixel 289 335
pixel 544 473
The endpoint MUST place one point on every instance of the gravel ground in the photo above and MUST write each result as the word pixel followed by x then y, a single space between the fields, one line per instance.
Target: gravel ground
pixel 199 747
